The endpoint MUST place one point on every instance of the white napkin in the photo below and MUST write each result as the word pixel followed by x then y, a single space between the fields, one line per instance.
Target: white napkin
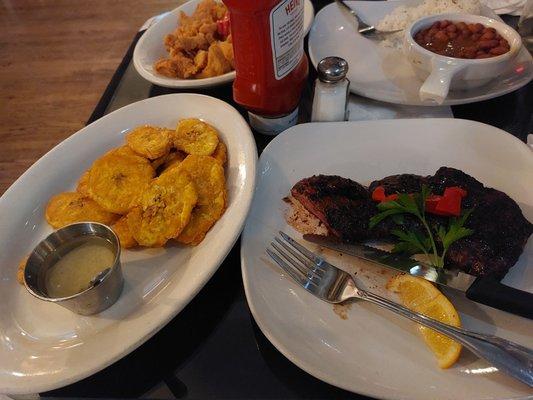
pixel 511 7
pixel 363 109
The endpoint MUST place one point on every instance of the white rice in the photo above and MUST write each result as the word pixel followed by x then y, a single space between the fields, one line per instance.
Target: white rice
pixel 403 16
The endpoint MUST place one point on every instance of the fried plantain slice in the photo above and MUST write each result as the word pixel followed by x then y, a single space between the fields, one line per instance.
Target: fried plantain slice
pixel 83 183
pixel 195 137
pixel 221 153
pixel 208 177
pixel 69 207
pixel 165 209
pixel 150 141
pixel 123 232
pixel 21 268
pixel 117 180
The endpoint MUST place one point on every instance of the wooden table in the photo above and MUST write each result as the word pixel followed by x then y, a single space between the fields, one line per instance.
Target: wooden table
pixel 56 58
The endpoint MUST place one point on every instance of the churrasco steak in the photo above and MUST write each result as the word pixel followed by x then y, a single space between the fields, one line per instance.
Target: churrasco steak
pixel 500 229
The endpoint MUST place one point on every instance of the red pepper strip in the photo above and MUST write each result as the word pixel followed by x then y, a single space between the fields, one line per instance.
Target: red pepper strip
pixel 450 204
pixel 378 194
pixel 431 203
pixel 390 197
pixel 455 189
pixel 223 26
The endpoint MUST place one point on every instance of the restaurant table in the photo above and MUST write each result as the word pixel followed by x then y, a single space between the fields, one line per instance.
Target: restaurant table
pixel 213 348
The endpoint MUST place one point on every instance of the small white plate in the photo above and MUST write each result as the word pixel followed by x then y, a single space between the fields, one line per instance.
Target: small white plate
pixel 375 352
pixel 150 48
pixel 44 346
pixel 384 74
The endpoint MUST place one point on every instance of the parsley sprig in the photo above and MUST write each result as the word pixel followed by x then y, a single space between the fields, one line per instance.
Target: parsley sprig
pixel 413 242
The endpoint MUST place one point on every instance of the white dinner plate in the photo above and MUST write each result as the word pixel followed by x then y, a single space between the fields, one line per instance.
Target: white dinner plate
pixel 150 48
pixel 44 346
pixel 383 73
pixel 375 352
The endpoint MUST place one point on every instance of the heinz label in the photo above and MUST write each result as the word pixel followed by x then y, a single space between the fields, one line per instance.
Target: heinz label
pixel 286 35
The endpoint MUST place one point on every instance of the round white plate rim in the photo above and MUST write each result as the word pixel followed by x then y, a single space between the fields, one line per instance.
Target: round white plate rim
pixel 307 367
pixel 466 100
pixel 195 83
pixel 155 325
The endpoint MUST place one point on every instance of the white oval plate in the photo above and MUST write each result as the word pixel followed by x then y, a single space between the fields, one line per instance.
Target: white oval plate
pixel 385 74
pixel 44 346
pixel 150 48
pixel 375 352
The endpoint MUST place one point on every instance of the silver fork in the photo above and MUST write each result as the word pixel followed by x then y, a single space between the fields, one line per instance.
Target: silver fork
pixel 333 285
pixel 363 28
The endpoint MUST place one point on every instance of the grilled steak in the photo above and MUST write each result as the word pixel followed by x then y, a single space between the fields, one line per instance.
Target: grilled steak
pixel 344 206
pixel 500 229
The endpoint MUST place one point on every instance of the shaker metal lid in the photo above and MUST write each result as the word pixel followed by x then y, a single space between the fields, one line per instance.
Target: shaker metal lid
pixel 332 69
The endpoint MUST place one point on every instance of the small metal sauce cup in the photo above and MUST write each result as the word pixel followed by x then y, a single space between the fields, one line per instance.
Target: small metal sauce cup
pixel 101 294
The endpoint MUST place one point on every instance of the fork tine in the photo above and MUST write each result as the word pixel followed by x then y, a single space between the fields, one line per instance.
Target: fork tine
pixel 304 270
pixel 305 261
pixel 287 268
pixel 310 255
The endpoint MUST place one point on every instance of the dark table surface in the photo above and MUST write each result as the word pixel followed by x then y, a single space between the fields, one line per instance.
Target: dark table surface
pixel 213 348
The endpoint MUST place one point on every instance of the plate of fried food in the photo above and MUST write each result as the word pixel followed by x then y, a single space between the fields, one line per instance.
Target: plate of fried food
pixel 191 46
pixel 334 192
pixel 173 176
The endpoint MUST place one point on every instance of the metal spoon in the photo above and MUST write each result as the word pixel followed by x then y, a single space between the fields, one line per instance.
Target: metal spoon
pixel 363 28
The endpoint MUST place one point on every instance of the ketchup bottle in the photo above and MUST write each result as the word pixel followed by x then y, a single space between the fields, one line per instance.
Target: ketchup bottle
pixel 270 61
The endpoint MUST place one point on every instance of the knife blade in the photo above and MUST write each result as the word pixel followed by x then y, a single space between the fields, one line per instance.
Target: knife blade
pixel 448 277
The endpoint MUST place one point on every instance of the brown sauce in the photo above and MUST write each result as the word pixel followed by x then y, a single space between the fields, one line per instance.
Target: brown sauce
pixel 462 40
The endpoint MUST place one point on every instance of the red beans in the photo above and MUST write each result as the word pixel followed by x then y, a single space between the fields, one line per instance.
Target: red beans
pixel 462 40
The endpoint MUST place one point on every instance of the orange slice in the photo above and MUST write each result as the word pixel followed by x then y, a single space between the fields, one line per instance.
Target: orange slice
pixel 422 296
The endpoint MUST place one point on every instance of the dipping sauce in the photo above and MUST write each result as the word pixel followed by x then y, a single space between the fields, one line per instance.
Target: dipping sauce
pixel 73 267
pixel 462 40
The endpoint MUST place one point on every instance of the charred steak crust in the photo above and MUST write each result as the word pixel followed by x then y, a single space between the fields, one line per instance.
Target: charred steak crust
pixel 500 229
pixel 344 206
pixel 403 183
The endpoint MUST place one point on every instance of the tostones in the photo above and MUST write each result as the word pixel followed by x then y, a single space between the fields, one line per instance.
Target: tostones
pixel 150 141
pixel 69 207
pixel 83 183
pixel 195 137
pixel 117 180
pixel 164 210
pixel 21 268
pixel 208 177
pixel 123 232
pixel 221 153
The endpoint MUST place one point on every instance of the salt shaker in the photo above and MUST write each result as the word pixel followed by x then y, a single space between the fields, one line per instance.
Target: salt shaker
pixel 331 91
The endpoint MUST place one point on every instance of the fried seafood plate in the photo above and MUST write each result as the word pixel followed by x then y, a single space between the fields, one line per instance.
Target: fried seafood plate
pixel 122 230
pixel 118 179
pixel 195 137
pixel 69 207
pixel 150 141
pixel 208 177
pixel 164 210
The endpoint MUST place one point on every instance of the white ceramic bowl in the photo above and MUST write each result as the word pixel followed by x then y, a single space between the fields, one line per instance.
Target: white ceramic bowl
pixel 442 74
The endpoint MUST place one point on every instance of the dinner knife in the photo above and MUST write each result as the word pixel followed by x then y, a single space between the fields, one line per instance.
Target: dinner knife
pixel 485 290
